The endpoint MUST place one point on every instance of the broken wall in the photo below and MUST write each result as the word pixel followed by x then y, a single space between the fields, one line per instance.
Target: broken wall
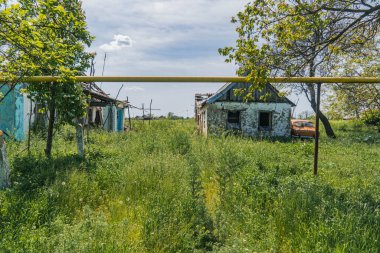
pixel 217 114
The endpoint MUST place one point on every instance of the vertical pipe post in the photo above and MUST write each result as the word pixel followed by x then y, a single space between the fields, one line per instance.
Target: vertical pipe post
pixel 89 117
pixel 316 146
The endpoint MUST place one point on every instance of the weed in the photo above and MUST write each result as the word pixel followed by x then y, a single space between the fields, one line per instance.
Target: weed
pixel 161 188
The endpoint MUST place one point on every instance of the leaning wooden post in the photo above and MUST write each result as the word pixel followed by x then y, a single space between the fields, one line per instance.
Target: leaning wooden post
pixel 129 116
pixel 150 110
pixel 316 146
pixel 30 125
pixel 4 166
pixel 79 137
pixel 143 116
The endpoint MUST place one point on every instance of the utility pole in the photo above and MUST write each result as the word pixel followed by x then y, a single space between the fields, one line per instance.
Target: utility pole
pixel 104 66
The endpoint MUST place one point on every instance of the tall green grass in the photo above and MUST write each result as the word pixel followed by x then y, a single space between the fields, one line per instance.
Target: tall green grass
pixel 163 188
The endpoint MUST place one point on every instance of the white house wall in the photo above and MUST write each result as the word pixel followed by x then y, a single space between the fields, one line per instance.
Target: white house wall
pixel 217 117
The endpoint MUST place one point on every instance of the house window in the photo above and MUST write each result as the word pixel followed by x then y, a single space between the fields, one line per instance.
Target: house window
pixel 265 121
pixel 233 117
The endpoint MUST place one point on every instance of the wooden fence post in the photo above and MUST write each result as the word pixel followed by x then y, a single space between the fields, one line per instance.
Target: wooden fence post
pixel 4 166
pixel 79 137
pixel 129 116
pixel 150 110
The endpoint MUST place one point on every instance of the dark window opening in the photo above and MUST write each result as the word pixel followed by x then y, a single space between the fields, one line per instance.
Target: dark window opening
pixel 265 120
pixel 228 95
pixel 233 117
pixel 90 116
pixel 98 118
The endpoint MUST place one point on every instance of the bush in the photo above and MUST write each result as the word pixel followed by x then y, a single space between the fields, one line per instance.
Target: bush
pixel 372 118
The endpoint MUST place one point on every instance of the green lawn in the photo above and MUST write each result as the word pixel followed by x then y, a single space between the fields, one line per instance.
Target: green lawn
pixel 165 189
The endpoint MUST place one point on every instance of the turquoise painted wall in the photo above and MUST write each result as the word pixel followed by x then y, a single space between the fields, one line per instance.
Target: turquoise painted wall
pixel 113 119
pixel 109 117
pixel 12 112
pixel 120 119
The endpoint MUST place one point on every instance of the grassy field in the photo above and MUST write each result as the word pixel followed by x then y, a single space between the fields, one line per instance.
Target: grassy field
pixel 165 189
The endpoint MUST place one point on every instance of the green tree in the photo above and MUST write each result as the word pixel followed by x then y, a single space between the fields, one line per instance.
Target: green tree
pixel 300 38
pixel 47 37
pixel 352 100
pixel 171 115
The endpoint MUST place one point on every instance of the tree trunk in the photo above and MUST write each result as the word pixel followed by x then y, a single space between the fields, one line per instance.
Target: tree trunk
pixel 4 167
pixel 311 88
pixel 49 141
pixel 79 137
pixel 326 123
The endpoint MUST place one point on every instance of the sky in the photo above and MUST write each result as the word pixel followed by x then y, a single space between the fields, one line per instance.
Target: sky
pixel 162 38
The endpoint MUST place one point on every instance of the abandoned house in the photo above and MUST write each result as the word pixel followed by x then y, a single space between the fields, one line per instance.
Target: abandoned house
pixel 104 112
pixel 17 111
pixel 267 114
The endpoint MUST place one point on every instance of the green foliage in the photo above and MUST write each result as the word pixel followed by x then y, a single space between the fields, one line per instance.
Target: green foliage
pixel 39 37
pixel 352 100
pixel 163 188
pixel 299 38
pixel 46 38
pixel 372 118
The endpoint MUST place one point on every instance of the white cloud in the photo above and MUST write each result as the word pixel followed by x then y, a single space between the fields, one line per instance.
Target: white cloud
pixel 134 89
pixel 170 37
pixel 119 42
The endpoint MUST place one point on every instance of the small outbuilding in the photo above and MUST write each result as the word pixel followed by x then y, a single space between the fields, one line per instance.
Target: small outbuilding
pixel 18 112
pixel 265 114
pixel 104 112
pixel 15 111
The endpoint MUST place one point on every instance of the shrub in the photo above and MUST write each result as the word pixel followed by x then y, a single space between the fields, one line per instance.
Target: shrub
pixel 372 118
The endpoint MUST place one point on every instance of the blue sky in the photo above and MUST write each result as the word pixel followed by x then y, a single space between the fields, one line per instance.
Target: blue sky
pixel 162 37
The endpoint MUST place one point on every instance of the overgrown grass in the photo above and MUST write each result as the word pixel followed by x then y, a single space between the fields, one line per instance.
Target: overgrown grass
pixel 165 189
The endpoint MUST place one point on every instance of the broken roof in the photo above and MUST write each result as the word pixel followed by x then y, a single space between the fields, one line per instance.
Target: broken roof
pixel 99 96
pixel 229 86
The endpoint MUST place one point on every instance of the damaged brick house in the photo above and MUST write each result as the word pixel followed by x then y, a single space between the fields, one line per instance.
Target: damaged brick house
pixel 267 114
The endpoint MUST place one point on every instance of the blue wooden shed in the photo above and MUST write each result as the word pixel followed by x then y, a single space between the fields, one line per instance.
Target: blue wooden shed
pixel 15 111
pixel 16 107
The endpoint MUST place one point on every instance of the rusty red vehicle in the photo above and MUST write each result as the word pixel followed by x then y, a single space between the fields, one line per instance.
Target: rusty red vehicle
pixel 302 128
